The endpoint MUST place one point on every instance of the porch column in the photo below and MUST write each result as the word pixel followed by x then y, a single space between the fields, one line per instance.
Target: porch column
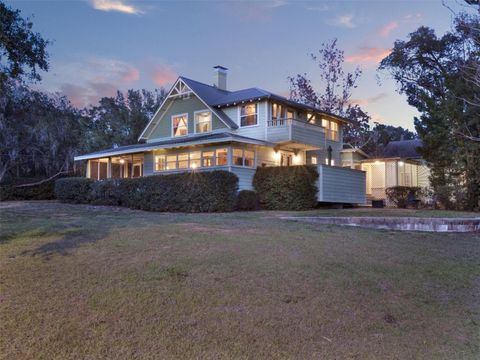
pixel 98 169
pixel 88 169
pixel 131 173
pixel 109 168
pixel 230 155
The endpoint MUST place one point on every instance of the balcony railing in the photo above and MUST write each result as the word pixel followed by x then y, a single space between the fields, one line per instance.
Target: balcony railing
pixel 295 131
pixel 289 122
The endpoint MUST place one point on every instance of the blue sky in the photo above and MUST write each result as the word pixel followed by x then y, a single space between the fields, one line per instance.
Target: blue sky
pixel 99 46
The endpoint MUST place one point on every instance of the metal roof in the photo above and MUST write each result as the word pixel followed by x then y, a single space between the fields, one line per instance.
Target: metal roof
pixel 217 98
pixel 172 143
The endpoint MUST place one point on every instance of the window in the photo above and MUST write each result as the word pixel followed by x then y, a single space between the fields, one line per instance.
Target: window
pixel 171 162
pixel 290 114
pixel 195 159
pixel 203 121
pixel 222 157
pixel 248 115
pixel 208 158
pixel 326 162
pixel 278 112
pixel 199 159
pixel 314 160
pixel 243 157
pixel 238 157
pixel 331 128
pixel 311 118
pixel 160 163
pixel 333 131
pixel 183 161
pixel 180 125
pixel 249 158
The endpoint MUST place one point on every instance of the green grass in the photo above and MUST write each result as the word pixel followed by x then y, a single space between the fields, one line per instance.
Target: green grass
pixel 97 282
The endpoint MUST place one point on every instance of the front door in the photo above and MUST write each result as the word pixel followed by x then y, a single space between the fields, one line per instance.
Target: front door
pixel 285 159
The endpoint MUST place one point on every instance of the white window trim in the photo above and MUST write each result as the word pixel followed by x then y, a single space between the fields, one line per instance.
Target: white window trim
pixel 189 168
pixel 239 112
pixel 195 121
pixel 243 158
pixel 171 122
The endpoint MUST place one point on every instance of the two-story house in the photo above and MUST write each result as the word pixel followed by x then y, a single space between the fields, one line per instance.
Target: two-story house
pixel 201 127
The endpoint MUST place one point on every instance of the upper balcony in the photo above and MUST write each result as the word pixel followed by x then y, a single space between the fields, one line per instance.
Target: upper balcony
pixel 296 131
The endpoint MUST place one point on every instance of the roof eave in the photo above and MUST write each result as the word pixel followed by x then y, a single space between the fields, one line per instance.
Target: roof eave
pixel 153 146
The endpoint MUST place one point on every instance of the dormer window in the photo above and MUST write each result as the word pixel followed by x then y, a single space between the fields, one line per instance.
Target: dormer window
pixel 248 115
pixel 180 125
pixel 203 122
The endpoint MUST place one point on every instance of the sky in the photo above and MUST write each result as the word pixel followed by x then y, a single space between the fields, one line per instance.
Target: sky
pixel 99 46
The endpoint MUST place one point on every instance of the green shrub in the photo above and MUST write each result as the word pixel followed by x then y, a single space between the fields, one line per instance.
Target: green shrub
pixel 185 192
pixel 400 195
pixel 248 200
pixel 105 192
pixel 287 188
pixel 73 190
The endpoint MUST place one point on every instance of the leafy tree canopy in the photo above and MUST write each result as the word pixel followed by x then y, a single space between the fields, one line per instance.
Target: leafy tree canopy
pixel 22 51
pixel 439 76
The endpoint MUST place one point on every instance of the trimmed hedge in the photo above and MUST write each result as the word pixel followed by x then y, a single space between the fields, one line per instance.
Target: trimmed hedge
pixel 287 188
pixel 400 195
pixel 74 190
pixel 209 191
pixel 248 200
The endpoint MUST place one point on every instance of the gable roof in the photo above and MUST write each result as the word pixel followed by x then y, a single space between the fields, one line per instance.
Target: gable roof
pixel 216 98
pixel 402 149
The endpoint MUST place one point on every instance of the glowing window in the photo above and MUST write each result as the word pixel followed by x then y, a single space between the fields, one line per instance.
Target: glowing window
pixel 203 122
pixel 248 115
pixel 180 125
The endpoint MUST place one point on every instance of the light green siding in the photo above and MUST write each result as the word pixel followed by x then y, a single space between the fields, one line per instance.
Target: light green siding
pixel 148 164
pixel 181 106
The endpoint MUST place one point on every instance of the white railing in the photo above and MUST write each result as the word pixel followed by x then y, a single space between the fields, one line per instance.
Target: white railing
pixel 295 122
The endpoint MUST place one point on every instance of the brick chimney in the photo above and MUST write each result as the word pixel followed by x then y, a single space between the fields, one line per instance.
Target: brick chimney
pixel 220 77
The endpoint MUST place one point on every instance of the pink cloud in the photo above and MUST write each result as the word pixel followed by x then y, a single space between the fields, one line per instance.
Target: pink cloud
pixel 162 74
pixel 368 55
pixel 130 74
pixel 387 29
pixel 75 93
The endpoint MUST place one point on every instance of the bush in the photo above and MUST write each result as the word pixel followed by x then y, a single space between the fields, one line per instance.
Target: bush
pixel 247 200
pixel 105 192
pixel 287 188
pixel 74 190
pixel 186 192
pixel 401 195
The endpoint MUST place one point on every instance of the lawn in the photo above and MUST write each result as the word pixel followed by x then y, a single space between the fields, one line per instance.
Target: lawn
pixel 80 281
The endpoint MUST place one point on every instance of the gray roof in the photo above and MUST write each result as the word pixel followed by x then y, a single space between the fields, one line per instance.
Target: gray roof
pixel 175 142
pixel 402 149
pixel 217 98
pixel 209 94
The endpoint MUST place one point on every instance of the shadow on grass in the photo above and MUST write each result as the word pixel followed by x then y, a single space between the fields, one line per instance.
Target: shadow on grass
pixel 70 240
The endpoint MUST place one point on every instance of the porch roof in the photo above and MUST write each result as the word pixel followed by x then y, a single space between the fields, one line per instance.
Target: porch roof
pixel 174 143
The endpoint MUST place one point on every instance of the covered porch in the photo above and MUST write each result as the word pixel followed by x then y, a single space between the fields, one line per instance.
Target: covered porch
pixel 115 167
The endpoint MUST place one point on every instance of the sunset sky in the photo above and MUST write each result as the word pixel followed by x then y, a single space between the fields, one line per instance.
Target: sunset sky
pixel 99 46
